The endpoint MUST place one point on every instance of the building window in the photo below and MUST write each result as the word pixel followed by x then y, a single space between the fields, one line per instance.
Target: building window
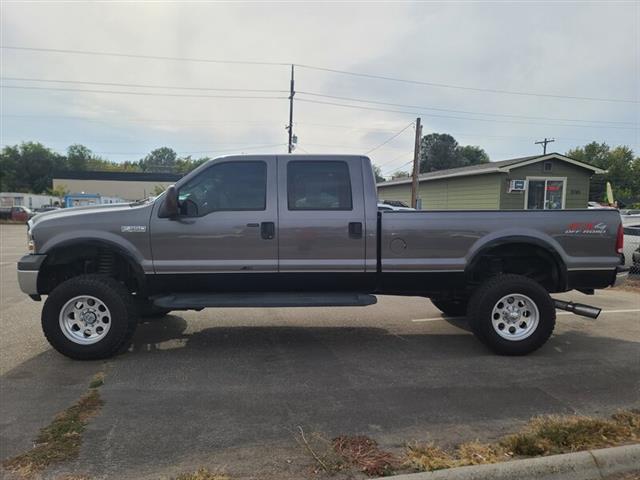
pixel 547 166
pixel 545 194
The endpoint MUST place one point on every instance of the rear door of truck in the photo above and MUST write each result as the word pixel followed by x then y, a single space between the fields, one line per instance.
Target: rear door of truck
pixel 321 214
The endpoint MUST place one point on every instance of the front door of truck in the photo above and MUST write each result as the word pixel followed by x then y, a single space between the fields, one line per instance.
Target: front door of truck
pixel 227 222
pixel 321 215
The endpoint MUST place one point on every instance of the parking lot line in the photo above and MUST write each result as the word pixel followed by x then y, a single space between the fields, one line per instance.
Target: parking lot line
pixel 435 319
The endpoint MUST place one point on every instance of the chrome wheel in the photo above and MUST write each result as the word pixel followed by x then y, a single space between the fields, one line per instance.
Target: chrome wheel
pixel 85 320
pixel 515 317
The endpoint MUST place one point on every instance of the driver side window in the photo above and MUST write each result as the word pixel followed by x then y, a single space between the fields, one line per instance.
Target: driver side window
pixel 225 186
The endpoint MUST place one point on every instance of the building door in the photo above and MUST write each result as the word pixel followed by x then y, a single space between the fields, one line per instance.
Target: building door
pixel 545 193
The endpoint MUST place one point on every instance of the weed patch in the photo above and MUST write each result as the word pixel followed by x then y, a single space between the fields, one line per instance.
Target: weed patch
pixel 365 454
pixel 547 435
pixel 97 381
pixel 60 440
pixel 554 434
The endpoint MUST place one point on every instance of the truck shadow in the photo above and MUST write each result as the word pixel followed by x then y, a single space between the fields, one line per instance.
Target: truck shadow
pixel 177 393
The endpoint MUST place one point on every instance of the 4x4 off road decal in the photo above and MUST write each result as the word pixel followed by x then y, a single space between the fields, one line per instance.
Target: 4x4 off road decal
pixel 586 228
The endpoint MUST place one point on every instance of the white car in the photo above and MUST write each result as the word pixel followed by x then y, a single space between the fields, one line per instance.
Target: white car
pixel 385 207
pixel 631 242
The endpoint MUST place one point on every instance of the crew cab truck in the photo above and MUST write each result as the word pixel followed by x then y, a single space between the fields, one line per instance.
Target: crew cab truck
pixel 305 230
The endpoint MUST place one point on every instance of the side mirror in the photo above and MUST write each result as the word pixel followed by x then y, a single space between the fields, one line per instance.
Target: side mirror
pixel 169 208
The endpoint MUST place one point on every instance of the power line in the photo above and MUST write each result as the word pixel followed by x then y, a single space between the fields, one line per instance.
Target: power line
pixel 149 120
pixel 460 87
pixel 388 140
pixel 375 102
pixel 393 159
pixel 150 57
pixel 322 69
pixel 146 94
pixel 142 85
pixel 391 172
pixel 377 109
pixel 202 152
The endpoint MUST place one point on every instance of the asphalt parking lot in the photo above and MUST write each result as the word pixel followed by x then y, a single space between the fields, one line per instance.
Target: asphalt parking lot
pixel 229 388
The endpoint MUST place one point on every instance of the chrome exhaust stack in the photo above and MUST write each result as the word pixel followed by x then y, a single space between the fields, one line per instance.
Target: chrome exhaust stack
pixel 578 308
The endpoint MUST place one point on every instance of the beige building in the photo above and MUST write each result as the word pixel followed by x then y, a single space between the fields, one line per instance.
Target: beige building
pixel 129 186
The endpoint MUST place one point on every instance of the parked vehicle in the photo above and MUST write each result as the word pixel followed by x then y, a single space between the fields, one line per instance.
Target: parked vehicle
pixel 630 217
pixel 391 208
pixel 631 242
pixel 16 214
pixel 635 267
pixel 305 230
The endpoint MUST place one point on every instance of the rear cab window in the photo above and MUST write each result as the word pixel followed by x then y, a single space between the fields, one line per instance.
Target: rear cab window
pixel 318 185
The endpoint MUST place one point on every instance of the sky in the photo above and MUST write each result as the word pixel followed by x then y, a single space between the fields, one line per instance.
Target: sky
pixel 497 75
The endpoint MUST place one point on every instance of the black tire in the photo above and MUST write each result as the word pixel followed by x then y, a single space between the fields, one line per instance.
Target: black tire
pixel 123 316
pixel 487 296
pixel 452 307
pixel 146 309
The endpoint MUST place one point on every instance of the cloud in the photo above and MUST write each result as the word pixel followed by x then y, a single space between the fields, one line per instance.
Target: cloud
pixel 567 49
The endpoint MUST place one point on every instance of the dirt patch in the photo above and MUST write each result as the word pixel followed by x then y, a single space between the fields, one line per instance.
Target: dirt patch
pixel 631 285
pixel 60 440
pixel 202 474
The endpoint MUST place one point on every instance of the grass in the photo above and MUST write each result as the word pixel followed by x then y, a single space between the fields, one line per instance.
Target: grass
pixel 364 454
pixel 60 440
pixel 201 474
pixel 97 380
pixel 552 435
pixel 547 435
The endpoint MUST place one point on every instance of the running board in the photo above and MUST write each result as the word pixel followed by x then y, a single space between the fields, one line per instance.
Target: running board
pixel 198 301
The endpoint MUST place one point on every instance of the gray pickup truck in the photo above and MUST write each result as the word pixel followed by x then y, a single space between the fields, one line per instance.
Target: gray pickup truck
pixel 305 230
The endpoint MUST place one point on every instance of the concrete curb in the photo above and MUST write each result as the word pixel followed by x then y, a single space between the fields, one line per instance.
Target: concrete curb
pixel 587 465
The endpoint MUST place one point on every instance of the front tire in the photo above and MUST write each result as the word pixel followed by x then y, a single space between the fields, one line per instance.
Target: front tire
pixel 512 314
pixel 89 317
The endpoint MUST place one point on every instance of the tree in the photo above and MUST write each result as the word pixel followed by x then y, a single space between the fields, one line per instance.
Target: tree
pixel 400 175
pixel 78 157
pixel 60 191
pixel 623 170
pixel 594 153
pixel 186 164
pixel 378 174
pixel 440 151
pixel 473 155
pixel 28 167
pixel 159 160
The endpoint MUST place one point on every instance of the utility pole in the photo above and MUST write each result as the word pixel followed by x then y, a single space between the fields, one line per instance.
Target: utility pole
pixel 416 164
pixel 292 92
pixel 544 144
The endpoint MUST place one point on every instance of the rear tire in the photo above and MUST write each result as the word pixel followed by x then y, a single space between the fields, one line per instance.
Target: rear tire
pixel 451 306
pixel 512 314
pixel 89 317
